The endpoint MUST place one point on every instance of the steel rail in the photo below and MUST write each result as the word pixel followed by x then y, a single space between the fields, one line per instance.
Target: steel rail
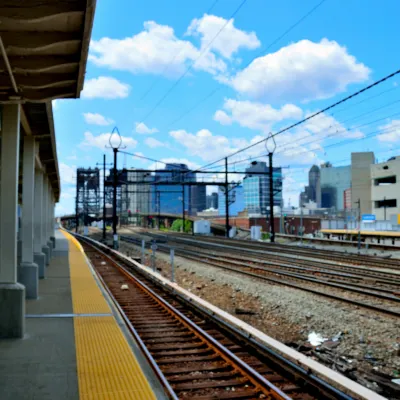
pixel 287 283
pixel 261 384
pixel 271 356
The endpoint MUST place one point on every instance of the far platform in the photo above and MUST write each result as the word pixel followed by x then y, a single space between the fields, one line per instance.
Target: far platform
pixel 76 347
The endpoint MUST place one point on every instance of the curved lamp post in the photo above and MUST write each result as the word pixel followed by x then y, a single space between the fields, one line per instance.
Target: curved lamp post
pixel 115 141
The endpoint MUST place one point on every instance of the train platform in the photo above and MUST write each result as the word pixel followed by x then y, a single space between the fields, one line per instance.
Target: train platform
pixel 75 345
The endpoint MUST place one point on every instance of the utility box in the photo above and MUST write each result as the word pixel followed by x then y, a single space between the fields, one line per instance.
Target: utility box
pixel 202 227
pixel 232 232
pixel 255 232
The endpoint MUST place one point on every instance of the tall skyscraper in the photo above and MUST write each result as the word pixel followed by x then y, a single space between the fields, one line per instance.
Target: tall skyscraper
pixel 334 181
pixel 256 188
pixel 198 201
pixel 312 192
pixel 212 201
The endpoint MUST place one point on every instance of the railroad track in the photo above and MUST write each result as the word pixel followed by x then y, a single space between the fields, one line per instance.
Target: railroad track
pixel 355 259
pixel 370 295
pixel 310 262
pixel 195 354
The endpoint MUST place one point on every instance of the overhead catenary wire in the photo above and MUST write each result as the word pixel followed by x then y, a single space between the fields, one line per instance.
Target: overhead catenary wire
pixel 263 50
pixel 343 100
pixel 191 65
pixel 156 80
pixel 298 142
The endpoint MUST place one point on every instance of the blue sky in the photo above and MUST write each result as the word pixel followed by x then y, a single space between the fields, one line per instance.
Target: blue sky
pixel 140 50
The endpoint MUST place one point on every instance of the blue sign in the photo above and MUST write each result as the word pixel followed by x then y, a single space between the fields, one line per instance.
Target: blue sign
pixel 368 217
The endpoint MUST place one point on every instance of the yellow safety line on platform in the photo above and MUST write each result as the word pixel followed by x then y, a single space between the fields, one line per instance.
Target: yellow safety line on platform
pixel 86 295
pixel 107 368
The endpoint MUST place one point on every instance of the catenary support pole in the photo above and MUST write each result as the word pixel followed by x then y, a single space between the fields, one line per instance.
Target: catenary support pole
pixel 226 199
pixel 115 183
pixel 183 208
pixel 359 224
pixel 271 198
pixel 104 197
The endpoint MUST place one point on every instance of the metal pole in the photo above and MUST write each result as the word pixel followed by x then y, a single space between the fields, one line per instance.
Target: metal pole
pixel 142 258
pixel 226 200
pixel 359 224
pixel 301 225
pixel 271 199
pixel 104 197
pixel 158 208
pixel 115 181
pixel 153 256
pixel 76 210
pixel 183 208
pixel 172 253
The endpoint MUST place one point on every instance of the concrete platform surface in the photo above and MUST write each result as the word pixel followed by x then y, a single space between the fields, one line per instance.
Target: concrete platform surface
pixel 76 346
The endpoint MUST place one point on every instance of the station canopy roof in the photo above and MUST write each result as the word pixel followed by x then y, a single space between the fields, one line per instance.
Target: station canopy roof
pixel 43 53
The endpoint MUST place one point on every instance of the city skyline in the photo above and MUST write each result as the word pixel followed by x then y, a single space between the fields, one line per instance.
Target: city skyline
pixel 191 89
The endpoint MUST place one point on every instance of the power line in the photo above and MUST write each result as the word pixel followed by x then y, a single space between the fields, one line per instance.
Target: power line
pixel 156 80
pixel 364 100
pixel 263 50
pixel 193 62
pixel 143 157
pixel 309 117
pixel 296 143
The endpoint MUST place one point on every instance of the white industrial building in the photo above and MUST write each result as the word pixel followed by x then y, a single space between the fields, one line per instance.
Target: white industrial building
pixel 385 189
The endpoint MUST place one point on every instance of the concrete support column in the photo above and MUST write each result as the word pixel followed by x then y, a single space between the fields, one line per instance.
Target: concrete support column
pixel 38 256
pixel 48 217
pixel 45 247
pixel 12 294
pixel 28 271
pixel 52 222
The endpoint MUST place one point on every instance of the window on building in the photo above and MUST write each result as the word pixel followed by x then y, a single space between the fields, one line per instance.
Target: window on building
pixel 387 180
pixel 386 203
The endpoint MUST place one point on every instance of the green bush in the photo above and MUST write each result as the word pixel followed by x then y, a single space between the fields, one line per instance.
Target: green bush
pixel 265 236
pixel 177 225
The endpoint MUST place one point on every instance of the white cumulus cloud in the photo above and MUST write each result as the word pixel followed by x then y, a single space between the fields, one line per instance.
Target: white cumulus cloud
pixel 390 132
pixel 97 119
pixel 143 129
pixel 301 71
pixel 203 143
pixel 190 164
pixel 228 41
pixel 67 173
pixel 153 143
pixel 255 115
pixel 155 50
pixel 105 87
pixel 103 140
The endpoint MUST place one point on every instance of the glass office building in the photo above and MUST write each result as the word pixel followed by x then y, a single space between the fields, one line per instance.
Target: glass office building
pixel 256 188
pixel 167 199
pixel 235 198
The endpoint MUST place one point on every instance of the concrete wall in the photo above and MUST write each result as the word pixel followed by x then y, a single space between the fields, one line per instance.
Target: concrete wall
pixel 388 191
pixel 361 180
pixel 311 224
